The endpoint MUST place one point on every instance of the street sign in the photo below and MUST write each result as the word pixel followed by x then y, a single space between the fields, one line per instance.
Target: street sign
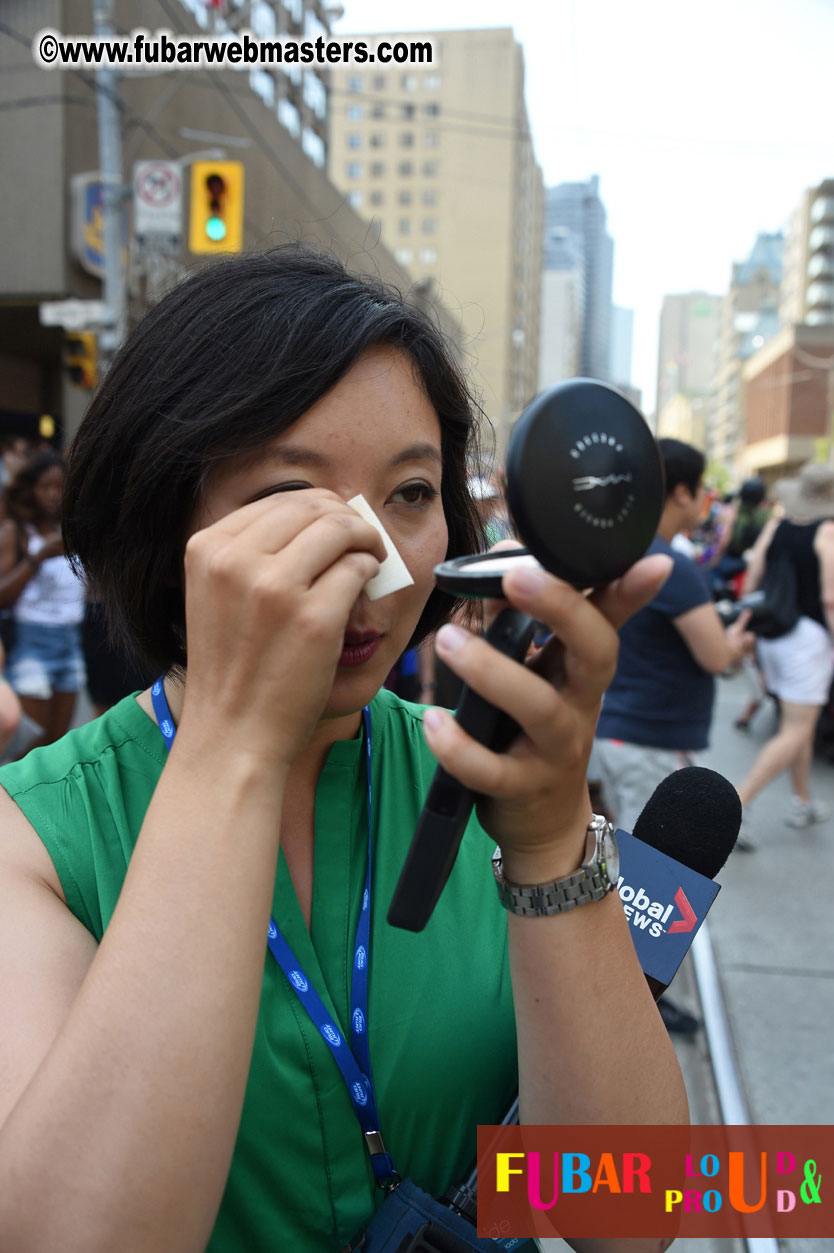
pixel 157 206
pixel 74 315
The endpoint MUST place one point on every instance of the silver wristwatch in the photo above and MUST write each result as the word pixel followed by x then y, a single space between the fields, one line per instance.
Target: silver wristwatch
pixel 595 878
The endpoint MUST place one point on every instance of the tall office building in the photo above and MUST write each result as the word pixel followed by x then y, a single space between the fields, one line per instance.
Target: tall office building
pixel 439 160
pixel 576 209
pixel 622 345
pixel 749 318
pixel 689 333
pixel 562 304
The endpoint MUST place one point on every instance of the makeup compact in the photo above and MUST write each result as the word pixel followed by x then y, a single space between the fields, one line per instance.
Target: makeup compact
pixel 585 490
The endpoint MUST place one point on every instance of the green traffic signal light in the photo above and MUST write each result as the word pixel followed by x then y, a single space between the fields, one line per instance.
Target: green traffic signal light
pixel 215 225
pixel 216 229
pixel 216 213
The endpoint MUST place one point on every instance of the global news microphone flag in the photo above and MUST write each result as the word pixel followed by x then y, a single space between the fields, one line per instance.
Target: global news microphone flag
pixel 665 903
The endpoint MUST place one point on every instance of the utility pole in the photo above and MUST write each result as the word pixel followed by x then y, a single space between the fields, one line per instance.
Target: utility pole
pixel 110 168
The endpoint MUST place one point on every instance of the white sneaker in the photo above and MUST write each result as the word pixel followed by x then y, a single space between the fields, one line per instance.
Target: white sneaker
pixel 745 842
pixel 804 813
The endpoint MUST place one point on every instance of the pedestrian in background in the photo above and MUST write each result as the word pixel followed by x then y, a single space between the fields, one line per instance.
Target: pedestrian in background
pixel 657 711
pixel 45 663
pixel 798 667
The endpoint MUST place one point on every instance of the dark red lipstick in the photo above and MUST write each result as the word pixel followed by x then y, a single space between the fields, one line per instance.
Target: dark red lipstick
pixel 359 647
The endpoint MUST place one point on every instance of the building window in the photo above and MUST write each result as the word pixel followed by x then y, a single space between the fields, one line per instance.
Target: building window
pixel 355 112
pixel 354 169
pixel 428 256
pixel 409 111
pixel 354 140
pixel 430 169
pixel 313 145
pixel 315 94
pixel 377 169
pixel 289 117
pixel 378 82
pixel 432 109
pixel 431 139
pixel 404 226
pixel 428 226
pixel 355 82
pixel 263 85
pixel 405 168
pixel 355 199
pixel 262 20
pixel 405 197
pixel 409 82
pixel 377 111
pixel 403 256
pixel 376 198
pixel 429 195
pixel 377 139
pixel 432 82
pixel 406 139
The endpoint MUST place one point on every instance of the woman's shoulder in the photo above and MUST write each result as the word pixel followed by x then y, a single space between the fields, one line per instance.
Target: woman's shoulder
pixel 124 735
pixel 85 796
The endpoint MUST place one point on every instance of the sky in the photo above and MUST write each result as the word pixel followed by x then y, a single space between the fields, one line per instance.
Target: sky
pixel 704 121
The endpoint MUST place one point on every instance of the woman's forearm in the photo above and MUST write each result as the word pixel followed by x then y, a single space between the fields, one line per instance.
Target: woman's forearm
pixel 124 1136
pixel 592 1047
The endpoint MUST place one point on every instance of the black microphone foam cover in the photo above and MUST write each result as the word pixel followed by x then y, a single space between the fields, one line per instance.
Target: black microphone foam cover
pixel 694 816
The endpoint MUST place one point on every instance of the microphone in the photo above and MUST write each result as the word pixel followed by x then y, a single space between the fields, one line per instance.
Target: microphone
pixel 683 837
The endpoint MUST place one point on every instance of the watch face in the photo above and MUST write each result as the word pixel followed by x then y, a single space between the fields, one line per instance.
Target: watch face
pixel 611 853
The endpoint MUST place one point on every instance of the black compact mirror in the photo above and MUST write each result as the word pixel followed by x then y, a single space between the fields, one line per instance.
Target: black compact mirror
pixel 584 487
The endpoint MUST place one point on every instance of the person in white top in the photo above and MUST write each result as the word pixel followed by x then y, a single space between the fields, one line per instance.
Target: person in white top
pixel 45 665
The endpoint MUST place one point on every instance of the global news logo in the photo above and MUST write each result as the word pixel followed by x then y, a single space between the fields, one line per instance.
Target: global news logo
pixel 653 916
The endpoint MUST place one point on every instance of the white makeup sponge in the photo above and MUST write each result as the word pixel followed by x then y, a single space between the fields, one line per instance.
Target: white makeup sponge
pixel 393 573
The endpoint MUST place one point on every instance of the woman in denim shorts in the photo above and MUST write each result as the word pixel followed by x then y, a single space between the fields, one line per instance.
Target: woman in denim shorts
pixel 45 664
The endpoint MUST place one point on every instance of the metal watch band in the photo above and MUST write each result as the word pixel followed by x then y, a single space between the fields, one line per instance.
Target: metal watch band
pixel 591 882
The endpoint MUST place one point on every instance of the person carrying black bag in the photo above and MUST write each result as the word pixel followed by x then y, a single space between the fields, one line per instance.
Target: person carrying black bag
pixel 798 665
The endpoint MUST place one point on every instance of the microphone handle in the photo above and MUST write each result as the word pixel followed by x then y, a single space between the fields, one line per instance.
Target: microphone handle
pixel 448 805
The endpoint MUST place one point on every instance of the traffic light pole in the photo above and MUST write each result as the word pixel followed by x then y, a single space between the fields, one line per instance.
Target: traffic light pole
pixel 110 168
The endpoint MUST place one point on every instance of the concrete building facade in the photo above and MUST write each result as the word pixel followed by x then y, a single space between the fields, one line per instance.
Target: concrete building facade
pixel 808 282
pixel 274 122
pixel 689 333
pixel 749 318
pixel 440 163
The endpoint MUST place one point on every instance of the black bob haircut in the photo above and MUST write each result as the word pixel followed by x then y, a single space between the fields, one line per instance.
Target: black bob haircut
pixel 682 464
pixel 224 363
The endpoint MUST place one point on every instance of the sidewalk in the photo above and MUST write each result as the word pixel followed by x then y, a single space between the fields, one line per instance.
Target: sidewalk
pixel 772 929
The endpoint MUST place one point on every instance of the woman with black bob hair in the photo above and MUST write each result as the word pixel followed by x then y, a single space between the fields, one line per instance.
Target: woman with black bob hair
pixel 193 887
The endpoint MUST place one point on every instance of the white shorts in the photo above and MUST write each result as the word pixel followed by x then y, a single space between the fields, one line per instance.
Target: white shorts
pixel 630 773
pixel 799 666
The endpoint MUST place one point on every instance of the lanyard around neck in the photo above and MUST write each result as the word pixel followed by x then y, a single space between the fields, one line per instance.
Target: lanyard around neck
pixel 353 1059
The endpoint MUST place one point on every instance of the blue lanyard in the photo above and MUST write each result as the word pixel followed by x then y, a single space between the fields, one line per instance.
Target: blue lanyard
pixel 353 1059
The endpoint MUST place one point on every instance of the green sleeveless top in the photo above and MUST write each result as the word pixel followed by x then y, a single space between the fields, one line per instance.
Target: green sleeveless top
pixel 441 1024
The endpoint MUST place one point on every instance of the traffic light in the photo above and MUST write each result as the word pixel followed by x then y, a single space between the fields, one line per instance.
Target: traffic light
pixel 216 221
pixel 81 358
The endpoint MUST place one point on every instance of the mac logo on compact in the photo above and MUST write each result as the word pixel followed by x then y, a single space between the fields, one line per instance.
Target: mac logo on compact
pixel 607 497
